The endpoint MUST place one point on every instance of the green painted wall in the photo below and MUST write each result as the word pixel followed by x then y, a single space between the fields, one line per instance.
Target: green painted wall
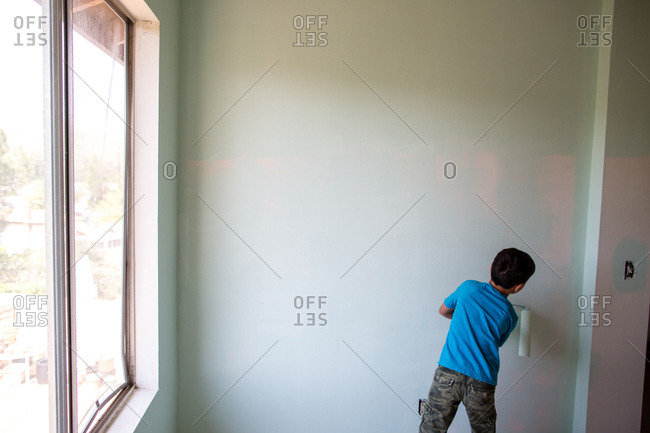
pixel 294 161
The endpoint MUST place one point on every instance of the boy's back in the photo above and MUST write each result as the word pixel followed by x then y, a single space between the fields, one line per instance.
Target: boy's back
pixel 482 321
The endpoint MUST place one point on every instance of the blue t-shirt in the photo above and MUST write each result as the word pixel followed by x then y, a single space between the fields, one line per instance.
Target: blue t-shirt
pixel 482 321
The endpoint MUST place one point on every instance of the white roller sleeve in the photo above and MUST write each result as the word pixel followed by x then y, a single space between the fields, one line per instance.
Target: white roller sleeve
pixel 524 333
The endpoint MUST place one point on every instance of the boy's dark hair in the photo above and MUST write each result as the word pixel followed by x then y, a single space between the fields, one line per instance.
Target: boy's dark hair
pixel 511 267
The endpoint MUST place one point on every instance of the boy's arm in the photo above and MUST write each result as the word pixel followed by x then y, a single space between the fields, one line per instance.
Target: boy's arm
pixel 446 312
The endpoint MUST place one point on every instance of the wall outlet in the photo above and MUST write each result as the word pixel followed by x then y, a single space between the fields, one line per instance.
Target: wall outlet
pixel 629 270
pixel 421 406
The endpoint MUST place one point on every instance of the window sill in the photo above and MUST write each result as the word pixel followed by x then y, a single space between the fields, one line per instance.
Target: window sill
pixel 132 413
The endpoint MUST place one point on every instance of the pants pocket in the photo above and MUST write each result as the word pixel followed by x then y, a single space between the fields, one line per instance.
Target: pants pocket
pixel 443 379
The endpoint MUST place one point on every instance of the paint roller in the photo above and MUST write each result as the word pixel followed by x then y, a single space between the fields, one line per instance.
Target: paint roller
pixel 524 330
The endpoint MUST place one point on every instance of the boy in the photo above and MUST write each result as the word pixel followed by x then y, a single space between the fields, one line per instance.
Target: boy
pixel 482 318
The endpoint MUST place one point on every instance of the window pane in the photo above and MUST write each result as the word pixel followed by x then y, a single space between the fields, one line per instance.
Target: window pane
pixel 99 89
pixel 26 392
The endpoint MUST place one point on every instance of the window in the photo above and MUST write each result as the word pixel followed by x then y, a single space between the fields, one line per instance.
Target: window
pixel 74 350
pixel 98 76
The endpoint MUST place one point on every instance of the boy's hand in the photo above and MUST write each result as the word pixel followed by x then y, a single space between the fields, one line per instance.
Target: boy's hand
pixel 446 312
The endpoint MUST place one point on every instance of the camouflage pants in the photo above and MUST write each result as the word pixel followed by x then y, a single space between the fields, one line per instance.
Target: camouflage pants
pixel 448 389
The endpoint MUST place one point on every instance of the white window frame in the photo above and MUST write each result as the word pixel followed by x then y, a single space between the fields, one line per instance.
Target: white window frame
pixel 145 215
